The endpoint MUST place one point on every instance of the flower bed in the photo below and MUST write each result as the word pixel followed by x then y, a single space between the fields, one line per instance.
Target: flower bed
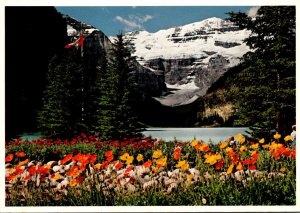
pixel 89 171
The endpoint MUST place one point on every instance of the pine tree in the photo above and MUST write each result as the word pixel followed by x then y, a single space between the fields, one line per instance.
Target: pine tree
pixel 117 118
pixel 60 116
pixel 267 83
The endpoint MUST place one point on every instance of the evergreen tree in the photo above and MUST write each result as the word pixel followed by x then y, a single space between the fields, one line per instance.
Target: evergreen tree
pixel 61 116
pixel 117 118
pixel 267 83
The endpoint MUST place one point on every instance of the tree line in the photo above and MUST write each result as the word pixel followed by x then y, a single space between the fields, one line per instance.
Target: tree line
pixel 91 93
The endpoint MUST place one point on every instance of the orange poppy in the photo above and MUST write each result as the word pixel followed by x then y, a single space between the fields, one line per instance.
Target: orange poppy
pixel 74 171
pixel 20 154
pixel 9 157
pixel 177 149
pixel 32 170
pixel 21 163
pixel 66 159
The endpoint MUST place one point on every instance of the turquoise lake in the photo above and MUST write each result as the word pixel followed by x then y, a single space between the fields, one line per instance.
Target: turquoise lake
pixel 208 135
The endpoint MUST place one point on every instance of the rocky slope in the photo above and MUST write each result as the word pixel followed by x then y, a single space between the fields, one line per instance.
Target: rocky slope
pixel 95 41
pixel 192 57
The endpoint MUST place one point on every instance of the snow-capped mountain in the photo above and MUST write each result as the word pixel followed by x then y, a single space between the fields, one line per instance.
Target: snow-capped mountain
pixel 192 56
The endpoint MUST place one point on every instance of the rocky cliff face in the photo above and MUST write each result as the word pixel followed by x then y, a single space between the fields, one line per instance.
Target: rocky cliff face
pixel 151 83
pixel 192 57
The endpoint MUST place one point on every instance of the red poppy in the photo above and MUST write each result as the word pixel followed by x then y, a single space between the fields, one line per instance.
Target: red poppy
pixel 109 153
pixel 18 170
pixel 286 153
pixel 32 170
pixel 147 164
pixel 119 165
pixel 43 170
pixel 176 156
pixel 9 157
pixel 252 167
pixel 255 155
pixel 80 179
pixel 130 168
pixel 93 158
pixel 110 158
pixel 219 165
pixel 20 154
pixel 177 149
pixel 104 165
pixel 247 162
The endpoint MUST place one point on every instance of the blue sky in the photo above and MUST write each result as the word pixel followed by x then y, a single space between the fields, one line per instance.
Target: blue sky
pixel 113 19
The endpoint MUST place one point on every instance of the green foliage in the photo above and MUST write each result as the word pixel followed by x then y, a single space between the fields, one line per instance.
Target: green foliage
pixel 60 116
pixel 116 116
pixel 266 96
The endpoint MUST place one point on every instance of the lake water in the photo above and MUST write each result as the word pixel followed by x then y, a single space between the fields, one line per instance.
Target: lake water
pixel 213 135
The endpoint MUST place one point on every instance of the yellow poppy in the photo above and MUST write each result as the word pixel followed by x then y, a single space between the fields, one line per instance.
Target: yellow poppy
pixel 129 159
pixel 140 157
pixel 254 146
pixel 239 166
pixel 185 166
pixel 124 156
pixel 157 154
pixel 162 162
pixel 21 163
pixel 243 149
pixel 194 143
pixel 55 176
pixel 242 140
pixel 180 163
pixel 238 136
pixel 230 168
pixel 261 140
pixel 97 166
pixel 277 136
pixel 155 169
pixel 212 159
pixel 287 138
pixel 223 145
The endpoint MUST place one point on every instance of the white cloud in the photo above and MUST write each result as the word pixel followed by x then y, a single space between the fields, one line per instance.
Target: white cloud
pixel 134 22
pixel 252 11
pixel 140 19
pixel 128 23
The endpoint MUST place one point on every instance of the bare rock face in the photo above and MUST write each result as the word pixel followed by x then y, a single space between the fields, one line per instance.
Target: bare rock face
pixel 150 82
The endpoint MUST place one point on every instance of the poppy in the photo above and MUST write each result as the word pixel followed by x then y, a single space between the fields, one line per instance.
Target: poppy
pixel 139 157
pixel 261 140
pixel 20 154
pixel 9 157
pixel 124 156
pixel 223 145
pixel 55 176
pixel 194 143
pixel 109 153
pixel 32 170
pixel 66 159
pixel 119 165
pixel 176 156
pixel 277 136
pixel 287 138
pixel 238 136
pixel 230 168
pixel 252 167
pixel 74 171
pixel 239 166
pixel 147 164
pixel 73 182
pixel 129 169
pixel 157 153
pixel 177 149
pixel 21 163
pixel 242 140
pixel 129 160
pixel 110 158
pixel 219 165
pixel 162 162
